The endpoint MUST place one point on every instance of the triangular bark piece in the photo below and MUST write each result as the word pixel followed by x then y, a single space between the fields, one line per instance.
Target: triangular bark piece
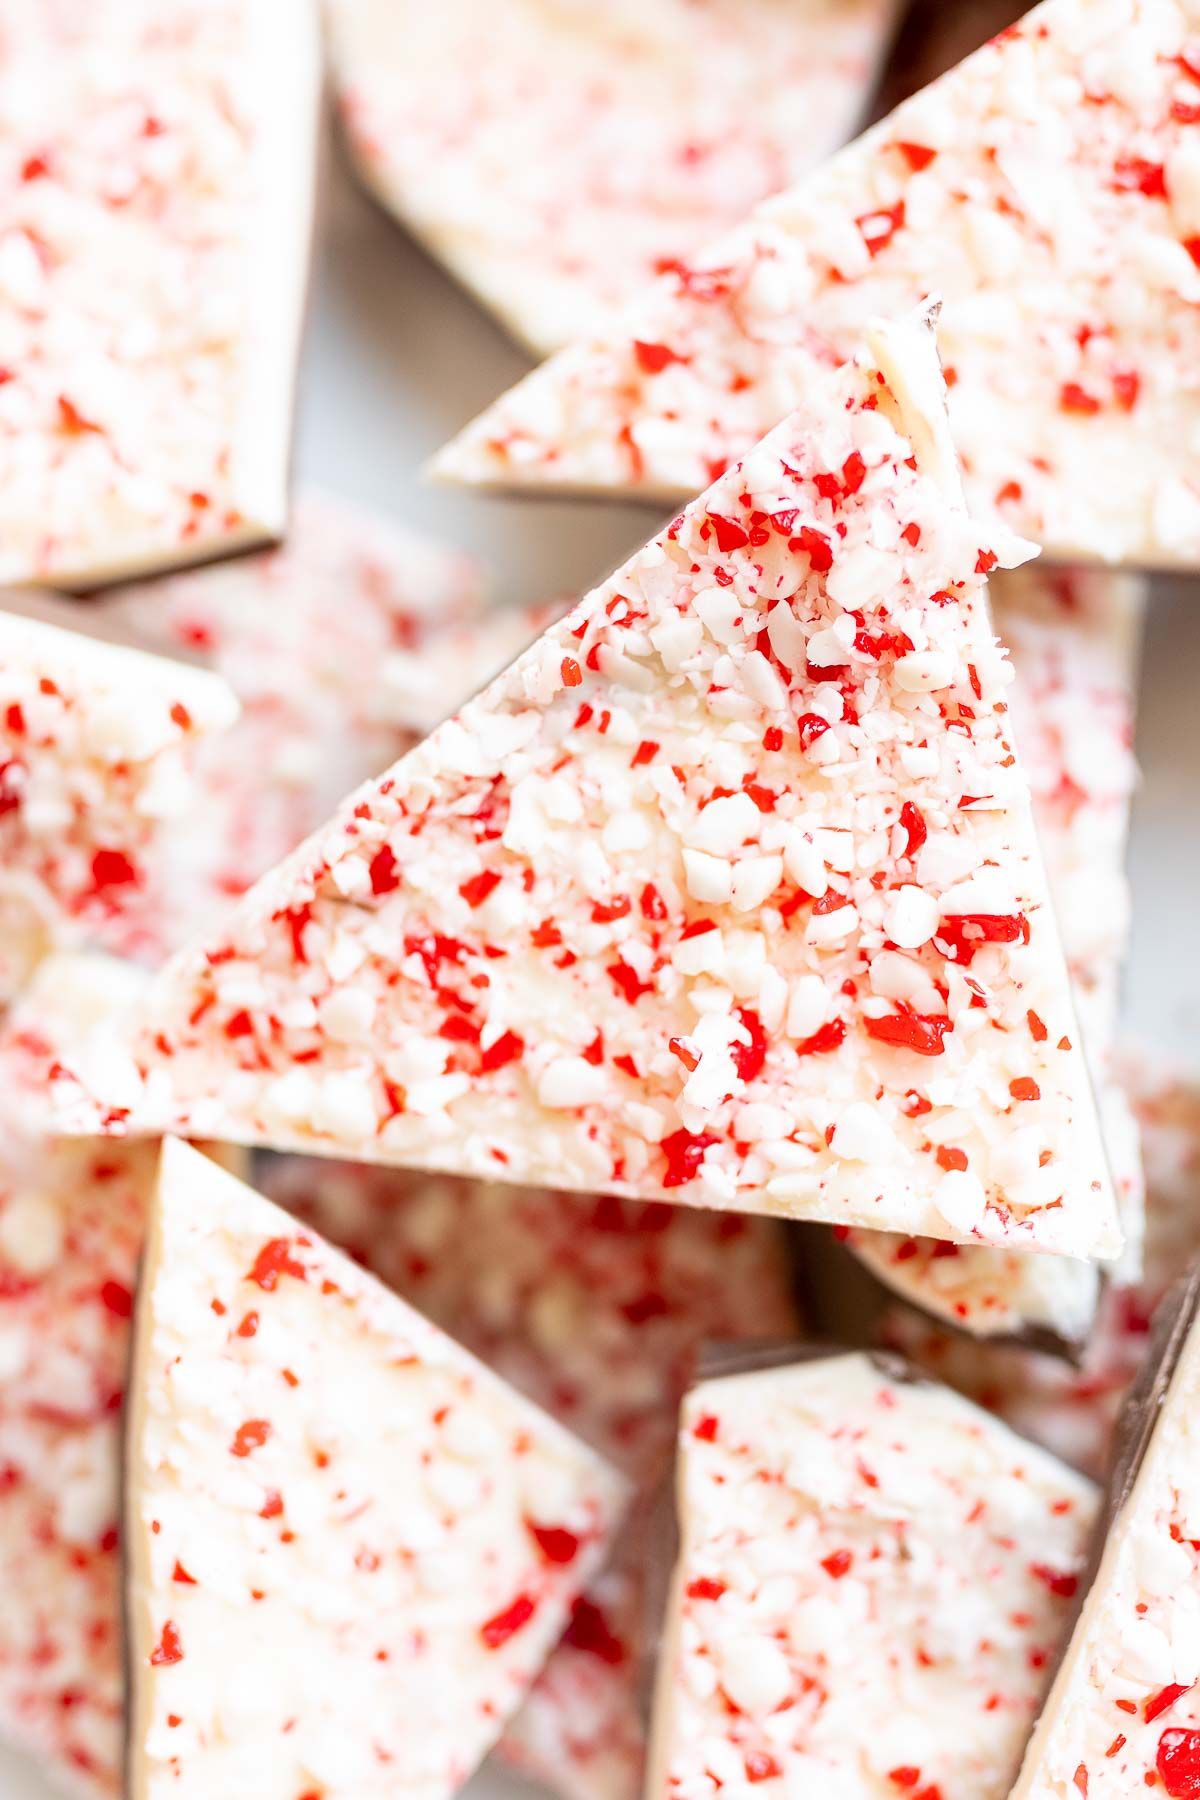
pixel 158 219
pixel 1049 190
pixel 1123 1715
pixel 324 1488
pixel 596 1309
pixel 95 742
pixel 726 889
pixel 871 1579
pixel 1074 637
pixel 592 146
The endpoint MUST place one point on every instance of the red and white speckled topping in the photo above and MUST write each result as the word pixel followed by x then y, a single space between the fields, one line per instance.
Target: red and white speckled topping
pixel 592 146
pixel 71 1225
pixel 872 1579
pixel 157 195
pixel 390 1531
pixel 1049 190
pixel 1123 1715
pixel 1073 637
pixel 344 648
pixel 1072 1410
pixel 97 747
pixel 594 1308
pixel 727 888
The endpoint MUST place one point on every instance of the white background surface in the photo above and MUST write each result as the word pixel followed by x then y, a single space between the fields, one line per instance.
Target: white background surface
pixel 397 359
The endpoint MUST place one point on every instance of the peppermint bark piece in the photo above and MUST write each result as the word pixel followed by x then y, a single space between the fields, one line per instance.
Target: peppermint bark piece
pixel 859 1548
pixel 596 1309
pixel 1048 189
pixel 71 1224
pixel 97 754
pixel 1072 1410
pixel 1073 636
pixel 158 208
pixel 593 146
pixel 1123 1714
pixel 321 1479
pixel 727 889
pixel 344 648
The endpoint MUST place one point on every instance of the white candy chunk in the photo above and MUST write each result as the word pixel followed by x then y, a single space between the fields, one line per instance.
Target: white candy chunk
pixel 339 1453
pixel 797 1487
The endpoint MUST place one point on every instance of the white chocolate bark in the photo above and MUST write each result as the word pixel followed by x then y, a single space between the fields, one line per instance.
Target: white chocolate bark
pixel 325 1491
pixel 158 197
pixel 1073 636
pixel 726 889
pixel 592 146
pixel 596 1309
pixel 97 756
pixel 1071 1410
pixel 1123 1715
pixel 1048 189
pixel 872 1578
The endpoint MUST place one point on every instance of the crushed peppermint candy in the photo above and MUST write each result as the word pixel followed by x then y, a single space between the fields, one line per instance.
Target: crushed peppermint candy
pixel 593 146
pixel 318 1472
pixel 1049 190
pixel 158 190
pixel 864 1556
pixel 98 753
pixel 1074 637
pixel 727 890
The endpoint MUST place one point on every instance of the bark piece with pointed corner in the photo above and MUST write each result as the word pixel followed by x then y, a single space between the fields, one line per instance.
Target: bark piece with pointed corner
pixel 591 147
pixel 321 1481
pixel 726 891
pixel 98 746
pixel 859 1548
pixel 158 209
pixel 596 1309
pixel 1074 639
pixel 1123 1714
pixel 1049 190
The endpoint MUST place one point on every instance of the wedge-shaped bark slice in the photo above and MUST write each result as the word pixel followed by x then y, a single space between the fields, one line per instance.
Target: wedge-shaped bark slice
pixel 344 648
pixel 592 146
pixel 157 211
pixel 1074 639
pixel 872 1578
pixel 1049 189
pixel 1123 1715
pixel 324 1487
pixel 727 889
pixel 596 1309
pixel 97 747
